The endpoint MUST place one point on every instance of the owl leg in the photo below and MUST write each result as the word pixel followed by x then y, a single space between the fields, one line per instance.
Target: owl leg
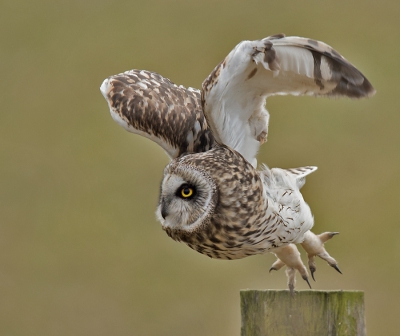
pixel 289 255
pixel 314 246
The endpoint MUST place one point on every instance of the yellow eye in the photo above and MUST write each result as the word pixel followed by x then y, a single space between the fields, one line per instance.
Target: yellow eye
pixel 186 192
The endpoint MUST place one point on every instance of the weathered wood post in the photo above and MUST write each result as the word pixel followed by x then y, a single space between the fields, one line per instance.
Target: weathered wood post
pixel 309 313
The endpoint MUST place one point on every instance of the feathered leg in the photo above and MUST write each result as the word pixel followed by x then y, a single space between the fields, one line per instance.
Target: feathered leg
pixel 289 255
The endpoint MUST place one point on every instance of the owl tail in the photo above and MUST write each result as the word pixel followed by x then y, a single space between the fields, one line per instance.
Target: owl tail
pixel 300 174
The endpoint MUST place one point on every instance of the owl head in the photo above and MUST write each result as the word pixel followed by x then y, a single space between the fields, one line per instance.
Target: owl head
pixel 217 186
pixel 188 197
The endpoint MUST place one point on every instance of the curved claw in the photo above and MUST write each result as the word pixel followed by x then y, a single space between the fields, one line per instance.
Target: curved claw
pixel 277 265
pixel 327 235
pixel 337 268
pixel 312 270
pixel 308 282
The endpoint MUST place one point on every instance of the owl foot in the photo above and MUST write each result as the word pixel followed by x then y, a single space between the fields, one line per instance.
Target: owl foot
pixel 314 246
pixel 289 255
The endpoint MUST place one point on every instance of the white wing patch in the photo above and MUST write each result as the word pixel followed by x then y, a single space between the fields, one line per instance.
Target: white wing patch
pixel 234 94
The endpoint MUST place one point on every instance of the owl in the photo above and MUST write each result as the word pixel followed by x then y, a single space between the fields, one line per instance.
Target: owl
pixel 214 197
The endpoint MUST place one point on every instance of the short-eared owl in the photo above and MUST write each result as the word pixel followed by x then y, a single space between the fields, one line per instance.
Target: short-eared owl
pixel 213 197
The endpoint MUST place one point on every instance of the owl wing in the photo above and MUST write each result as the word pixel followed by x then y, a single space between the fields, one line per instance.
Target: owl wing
pixel 150 105
pixel 234 94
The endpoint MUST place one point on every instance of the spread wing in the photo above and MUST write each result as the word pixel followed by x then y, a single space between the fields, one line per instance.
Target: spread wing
pixel 148 104
pixel 234 93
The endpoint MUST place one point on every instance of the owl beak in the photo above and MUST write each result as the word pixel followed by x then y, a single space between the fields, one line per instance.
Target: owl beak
pixel 164 211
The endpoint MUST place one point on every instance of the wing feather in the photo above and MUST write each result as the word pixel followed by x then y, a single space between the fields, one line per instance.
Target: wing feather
pixel 150 105
pixel 234 94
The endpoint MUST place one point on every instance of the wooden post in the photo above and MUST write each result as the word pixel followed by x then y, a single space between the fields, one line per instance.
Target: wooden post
pixel 309 313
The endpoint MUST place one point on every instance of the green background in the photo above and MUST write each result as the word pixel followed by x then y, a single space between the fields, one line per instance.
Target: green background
pixel 80 250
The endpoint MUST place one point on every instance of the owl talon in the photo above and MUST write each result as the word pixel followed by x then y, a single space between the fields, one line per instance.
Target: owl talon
pixel 277 265
pixel 314 246
pixel 308 282
pixel 337 268
pixel 312 270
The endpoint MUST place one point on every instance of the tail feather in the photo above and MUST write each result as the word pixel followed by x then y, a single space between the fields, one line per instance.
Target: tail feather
pixel 301 173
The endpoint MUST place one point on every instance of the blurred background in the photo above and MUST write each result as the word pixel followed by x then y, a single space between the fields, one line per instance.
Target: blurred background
pixel 81 252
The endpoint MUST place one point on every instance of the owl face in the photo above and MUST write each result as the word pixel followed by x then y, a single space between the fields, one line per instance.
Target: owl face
pixel 188 198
